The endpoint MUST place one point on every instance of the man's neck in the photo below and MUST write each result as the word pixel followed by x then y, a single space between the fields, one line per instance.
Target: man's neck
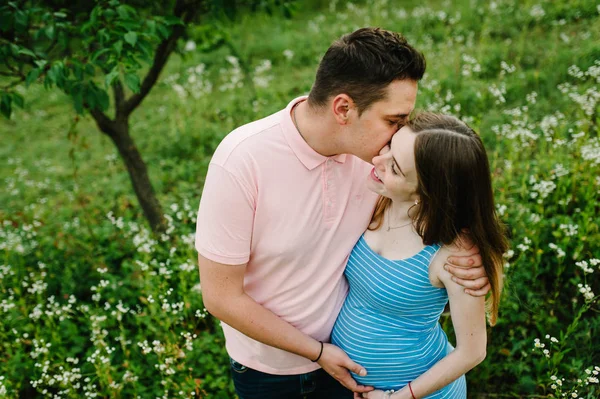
pixel 319 131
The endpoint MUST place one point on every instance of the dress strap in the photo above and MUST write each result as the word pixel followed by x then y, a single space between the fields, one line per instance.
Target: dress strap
pixel 431 251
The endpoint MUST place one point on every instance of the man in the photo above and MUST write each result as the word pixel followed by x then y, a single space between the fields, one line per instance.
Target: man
pixel 284 203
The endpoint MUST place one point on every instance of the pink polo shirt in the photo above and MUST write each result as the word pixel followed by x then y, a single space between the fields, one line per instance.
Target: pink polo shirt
pixel 293 215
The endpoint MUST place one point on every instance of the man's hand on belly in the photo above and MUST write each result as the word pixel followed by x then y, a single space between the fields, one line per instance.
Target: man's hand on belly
pixel 337 363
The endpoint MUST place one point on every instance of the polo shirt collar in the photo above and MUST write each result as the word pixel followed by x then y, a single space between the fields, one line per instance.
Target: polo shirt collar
pixel 305 153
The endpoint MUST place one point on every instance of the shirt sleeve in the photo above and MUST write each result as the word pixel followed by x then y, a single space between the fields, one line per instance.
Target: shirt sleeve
pixel 225 218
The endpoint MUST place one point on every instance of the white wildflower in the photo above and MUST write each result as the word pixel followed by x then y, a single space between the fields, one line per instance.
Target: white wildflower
pixel 288 54
pixel 537 12
pixel 190 45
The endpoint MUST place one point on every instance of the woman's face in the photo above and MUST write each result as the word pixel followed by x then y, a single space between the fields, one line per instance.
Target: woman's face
pixel 394 174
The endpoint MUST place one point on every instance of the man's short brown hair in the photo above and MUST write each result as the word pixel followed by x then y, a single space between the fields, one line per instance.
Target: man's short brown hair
pixel 362 64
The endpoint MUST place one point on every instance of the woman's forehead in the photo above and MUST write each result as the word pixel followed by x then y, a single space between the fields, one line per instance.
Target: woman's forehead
pixel 402 147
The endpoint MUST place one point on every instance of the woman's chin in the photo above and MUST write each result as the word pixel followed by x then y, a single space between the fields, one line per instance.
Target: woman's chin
pixel 374 186
pixel 377 188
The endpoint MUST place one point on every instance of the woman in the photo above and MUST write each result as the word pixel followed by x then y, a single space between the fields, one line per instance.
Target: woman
pixel 434 182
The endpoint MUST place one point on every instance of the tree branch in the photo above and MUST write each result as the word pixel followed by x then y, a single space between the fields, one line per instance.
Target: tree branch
pixel 183 10
pixel 119 94
pixel 105 124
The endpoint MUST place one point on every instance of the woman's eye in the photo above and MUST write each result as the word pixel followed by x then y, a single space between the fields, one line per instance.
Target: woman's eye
pixel 394 169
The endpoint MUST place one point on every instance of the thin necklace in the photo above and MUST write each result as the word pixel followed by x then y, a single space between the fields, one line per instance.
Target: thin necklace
pixel 402 225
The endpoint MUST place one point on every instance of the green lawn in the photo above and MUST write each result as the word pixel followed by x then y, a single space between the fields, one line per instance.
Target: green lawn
pixel 90 301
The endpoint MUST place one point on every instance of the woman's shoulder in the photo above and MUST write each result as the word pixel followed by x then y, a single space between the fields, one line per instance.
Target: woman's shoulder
pixel 437 274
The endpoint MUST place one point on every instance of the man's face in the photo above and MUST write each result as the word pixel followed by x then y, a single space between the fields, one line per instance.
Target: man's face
pixel 372 130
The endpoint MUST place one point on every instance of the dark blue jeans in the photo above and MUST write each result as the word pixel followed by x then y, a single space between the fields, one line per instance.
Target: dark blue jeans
pixel 253 384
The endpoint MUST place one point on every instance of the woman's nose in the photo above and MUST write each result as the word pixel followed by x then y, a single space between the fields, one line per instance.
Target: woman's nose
pixel 379 162
pixel 385 149
pixel 382 154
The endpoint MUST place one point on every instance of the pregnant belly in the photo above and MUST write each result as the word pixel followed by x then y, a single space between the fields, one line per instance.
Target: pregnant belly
pixel 391 359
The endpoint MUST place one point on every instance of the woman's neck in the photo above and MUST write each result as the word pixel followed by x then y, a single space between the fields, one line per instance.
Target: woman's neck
pixel 401 212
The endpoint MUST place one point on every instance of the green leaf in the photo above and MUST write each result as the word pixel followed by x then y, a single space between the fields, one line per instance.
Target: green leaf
pixel 122 11
pixel 131 38
pixel 56 74
pixel 50 32
pixel 77 69
pixel 20 21
pixel 111 77
pixel 163 31
pixel 18 100
pixel 109 13
pixel 118 46
pixel 89 97
pixel 32 76
pixel 41 63
pixel 89 69
pixel 129 25
pixel 26 51
pixel 147 51
pixel 5 105
pixel 14 49
pixel 151 27
pixel 60 15
pixel 171 20
pixel 133 82
pixel 98 53
pixel 94 15
pixel 103 100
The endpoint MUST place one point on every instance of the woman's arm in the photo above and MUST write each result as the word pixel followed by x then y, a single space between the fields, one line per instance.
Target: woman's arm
pixel 468 318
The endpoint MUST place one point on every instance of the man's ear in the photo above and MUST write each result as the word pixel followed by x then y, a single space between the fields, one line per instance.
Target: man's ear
pixel 342 107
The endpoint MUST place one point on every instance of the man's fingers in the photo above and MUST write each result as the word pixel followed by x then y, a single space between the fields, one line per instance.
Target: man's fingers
pixel 465 274
pixel 481 292
pixel 357 368
pixel 363 389
pixel 472 260
pixel 349 383
pixel 476 284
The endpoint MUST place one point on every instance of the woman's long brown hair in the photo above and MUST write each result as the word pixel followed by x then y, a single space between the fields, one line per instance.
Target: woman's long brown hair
pixel 455 194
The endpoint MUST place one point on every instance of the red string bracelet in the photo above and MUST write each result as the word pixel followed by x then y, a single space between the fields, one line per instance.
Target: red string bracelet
pixel 411 391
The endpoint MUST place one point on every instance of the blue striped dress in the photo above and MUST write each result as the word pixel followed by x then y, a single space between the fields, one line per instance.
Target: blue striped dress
pixel 389 323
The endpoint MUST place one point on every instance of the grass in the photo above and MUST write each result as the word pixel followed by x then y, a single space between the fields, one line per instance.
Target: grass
pixel 101 290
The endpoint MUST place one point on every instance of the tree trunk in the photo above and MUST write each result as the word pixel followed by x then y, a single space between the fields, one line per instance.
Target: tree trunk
pixel 118 131
pixel 139 177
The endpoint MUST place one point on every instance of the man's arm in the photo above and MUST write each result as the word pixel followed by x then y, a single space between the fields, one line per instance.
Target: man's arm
pixel 224 297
